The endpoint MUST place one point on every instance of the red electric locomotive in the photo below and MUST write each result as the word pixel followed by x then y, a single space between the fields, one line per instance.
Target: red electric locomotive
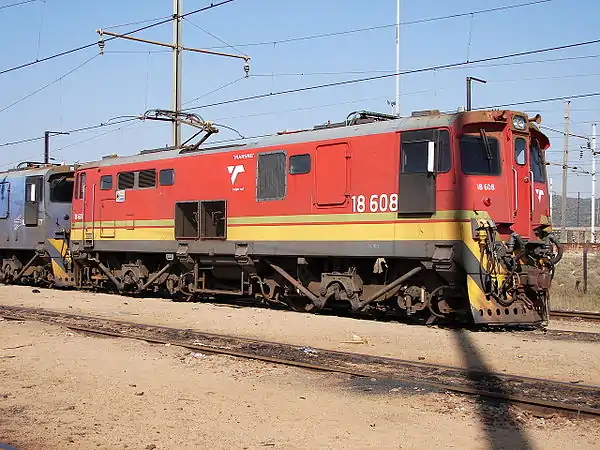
pixel 437 216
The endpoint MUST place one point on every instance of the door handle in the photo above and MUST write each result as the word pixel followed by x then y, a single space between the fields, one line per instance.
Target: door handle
pixel 531 193
pixel 516 196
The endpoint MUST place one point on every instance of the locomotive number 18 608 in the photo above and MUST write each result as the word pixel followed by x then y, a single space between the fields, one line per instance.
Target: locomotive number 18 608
pixel 375 203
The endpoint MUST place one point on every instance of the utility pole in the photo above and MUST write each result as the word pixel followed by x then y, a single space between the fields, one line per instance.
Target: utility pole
pixel 563 206
pixel 177 48
pixel 47 144
pixel 578 206
pixel 177 8
pixel 593 145
pixel 397 106
pixel 469 80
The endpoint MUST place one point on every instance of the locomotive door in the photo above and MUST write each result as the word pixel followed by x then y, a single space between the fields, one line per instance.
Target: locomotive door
pixel 522 184
pixel 539 200
pixel 331 175
pixel 417 179
pixel 33 198
pixel 87 195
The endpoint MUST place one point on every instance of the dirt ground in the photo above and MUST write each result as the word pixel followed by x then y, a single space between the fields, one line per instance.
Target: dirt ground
pixel 522 353
pixel 67 390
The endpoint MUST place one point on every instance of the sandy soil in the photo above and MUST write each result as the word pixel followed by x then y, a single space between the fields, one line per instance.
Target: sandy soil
pixel 66 390
pixel 511 352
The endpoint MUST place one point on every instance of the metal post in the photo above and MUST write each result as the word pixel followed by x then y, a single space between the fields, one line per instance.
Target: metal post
pixel 563 206
pixel 469 80
pixel 578 206
pixel 585 268
pixel 47 144
pixel 397 106
pixel 551 202
pixel 177 10
pixel 468 93
pixel 46 147
pixel 593 145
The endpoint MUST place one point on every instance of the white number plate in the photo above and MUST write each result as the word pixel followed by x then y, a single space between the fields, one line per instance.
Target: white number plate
pixel 375 203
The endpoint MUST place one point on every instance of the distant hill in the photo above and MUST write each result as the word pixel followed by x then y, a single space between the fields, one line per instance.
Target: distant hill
pixel 585 211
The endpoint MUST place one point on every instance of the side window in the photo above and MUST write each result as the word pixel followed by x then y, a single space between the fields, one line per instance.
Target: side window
pixel 477 158
pixel 299 164
pixel 125 180
pixel 414 150
pixel 271 177
pixel 537 164
pixel 106 183
pixel 520 147
pixel 81 185
pixel 147 178
pixel 166 177
pixel 4 199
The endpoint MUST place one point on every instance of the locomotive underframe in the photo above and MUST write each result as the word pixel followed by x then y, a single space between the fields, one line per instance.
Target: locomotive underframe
pixel 429 281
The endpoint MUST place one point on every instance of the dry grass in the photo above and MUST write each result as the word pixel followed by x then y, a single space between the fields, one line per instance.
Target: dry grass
pixel 567 286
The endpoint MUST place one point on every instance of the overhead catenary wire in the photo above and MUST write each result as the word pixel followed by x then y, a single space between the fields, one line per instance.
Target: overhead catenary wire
pixel 108 123
pixel 93 44
pixel 380 27
pixel 227 45
pixel 405 72
pixel 17 4
pixel 31 94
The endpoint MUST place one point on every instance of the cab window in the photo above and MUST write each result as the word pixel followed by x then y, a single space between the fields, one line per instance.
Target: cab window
pixel 61 189
pixel 477 158
pixel 414 150
pixel 520 151
pixel 537 163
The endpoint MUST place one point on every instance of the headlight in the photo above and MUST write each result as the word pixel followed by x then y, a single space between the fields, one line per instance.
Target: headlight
pixel 519 122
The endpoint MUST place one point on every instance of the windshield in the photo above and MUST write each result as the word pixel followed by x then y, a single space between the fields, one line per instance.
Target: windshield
pixel 477 158
pixel 61 190
pixel 537 163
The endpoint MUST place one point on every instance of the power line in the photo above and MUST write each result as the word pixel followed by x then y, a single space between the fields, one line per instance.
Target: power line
pixel 108 123
pixel 49 84
pixel 379 27
pixel 215 90
pixel 17 4
pixel 94 137
pixel 563 133
pixel 93 44
pixel 406 72
pixel 215 37
pixel 137 22
pixel 544 100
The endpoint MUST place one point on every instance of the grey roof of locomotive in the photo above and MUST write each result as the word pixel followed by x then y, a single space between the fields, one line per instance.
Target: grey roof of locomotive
pixel 292 137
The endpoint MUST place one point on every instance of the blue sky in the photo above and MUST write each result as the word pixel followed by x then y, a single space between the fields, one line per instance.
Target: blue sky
pixel 132 77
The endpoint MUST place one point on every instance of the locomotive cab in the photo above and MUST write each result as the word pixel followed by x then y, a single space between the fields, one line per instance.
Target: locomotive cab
pixel 504 181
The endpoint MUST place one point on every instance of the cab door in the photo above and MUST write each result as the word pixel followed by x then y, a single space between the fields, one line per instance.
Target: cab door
pixel 540 203
pixel 33 199
pixel 521 186
pixel 417 178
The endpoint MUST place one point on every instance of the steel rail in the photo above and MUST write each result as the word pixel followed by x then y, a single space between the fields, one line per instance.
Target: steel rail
pixel 587 315
pixel 53 317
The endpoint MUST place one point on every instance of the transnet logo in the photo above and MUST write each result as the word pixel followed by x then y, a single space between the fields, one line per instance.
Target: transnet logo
pixel 540 194
pixel 234 171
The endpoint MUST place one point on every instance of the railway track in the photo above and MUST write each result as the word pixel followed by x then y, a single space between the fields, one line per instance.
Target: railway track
pixel 568 398
pixel 591 316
